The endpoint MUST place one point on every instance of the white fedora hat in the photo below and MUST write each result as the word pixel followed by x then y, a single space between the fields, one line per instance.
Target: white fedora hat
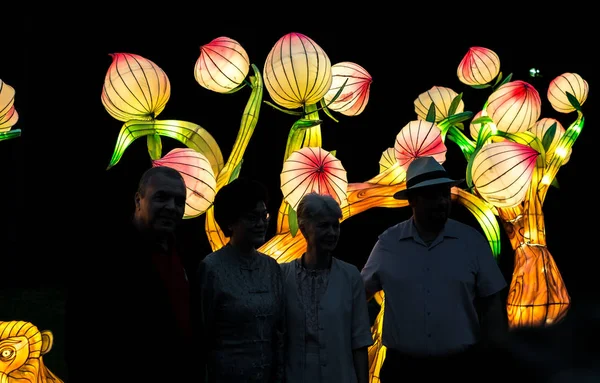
pixel 425 171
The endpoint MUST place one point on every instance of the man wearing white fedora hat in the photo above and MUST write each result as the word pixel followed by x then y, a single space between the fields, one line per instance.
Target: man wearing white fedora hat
pixel 441 283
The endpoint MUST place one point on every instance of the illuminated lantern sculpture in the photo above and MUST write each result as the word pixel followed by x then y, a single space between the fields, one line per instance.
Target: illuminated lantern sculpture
pixel 313 170
pixel 441 97
pixel 478 67
pixel 502 172
pixel 22 347
pixel 297 71
pixel 512 155
pixel 354 82
pixel 222 66
pixel 514 107
pixel 8 113
pixel 419 138
pixel 198 176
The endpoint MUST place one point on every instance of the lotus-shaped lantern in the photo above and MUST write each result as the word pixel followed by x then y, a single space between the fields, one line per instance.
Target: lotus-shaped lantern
pixel 478 67
pixel 356 83
pixel 297 71
pixel 419 138
pixel 222 66
pixel 198 175
pixel 135 88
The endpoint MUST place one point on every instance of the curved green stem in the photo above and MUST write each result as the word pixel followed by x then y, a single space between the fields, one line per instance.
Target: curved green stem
pixel 10 134
pixel 154 144
pixel 466 145
pixel 247 126
pixel 304 133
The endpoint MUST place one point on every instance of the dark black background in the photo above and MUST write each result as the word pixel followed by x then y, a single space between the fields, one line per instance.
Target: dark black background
pixel 54 189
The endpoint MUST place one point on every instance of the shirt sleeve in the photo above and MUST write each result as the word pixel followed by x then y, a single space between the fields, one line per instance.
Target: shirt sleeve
pixel 370 272
pixel 489 276
pixel 361 330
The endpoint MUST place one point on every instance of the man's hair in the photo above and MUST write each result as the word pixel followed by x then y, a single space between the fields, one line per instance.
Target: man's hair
pixel 314 204
pixel 148 174
pixel 236 199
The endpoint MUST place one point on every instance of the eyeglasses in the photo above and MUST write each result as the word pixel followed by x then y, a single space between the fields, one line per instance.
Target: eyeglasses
pixel 257 217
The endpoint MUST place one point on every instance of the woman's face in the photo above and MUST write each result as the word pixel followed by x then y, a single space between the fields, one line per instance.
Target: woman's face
pixel 251 228
pixel 322 232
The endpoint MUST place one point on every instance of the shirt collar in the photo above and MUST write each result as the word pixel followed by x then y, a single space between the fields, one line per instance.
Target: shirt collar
pixel 408 230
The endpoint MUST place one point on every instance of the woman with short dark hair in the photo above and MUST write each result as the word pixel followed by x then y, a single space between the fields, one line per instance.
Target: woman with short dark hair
pixel 240 292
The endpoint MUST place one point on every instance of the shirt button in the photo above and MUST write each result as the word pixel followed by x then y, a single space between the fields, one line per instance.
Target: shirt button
pixel 428 291
pixel 428 312
pixel 429 335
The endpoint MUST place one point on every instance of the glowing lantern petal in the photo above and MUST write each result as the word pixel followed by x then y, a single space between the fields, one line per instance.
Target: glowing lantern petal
pixel 478 67
pixel 222 66
pixel 135 88
pixel 355 95
pixel 297 71
pixel 8 113
pixel 541 128
pixel 567 82
pixel 502 172
pixel 442 98
pixel 313 169
pixel 419 138
pixel 387 160
pixel 198 175
pixel 514 106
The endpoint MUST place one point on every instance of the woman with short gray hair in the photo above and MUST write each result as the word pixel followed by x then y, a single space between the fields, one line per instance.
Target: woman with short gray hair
pixel 327 321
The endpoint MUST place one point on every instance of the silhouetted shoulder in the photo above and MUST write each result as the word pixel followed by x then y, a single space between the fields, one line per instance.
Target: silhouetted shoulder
pixel 463 230
pixel 393 232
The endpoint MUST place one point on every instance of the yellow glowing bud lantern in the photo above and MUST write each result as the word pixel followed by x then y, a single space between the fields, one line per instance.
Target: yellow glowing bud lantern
pixel 355 95
pixel 542 130
pixel 8 113
pixel 478 67
pixel 514 106
pixel 503 183
pixel 442 98
pixel 567 82
pixel 134 88
pixel 297 71
pixel 222 66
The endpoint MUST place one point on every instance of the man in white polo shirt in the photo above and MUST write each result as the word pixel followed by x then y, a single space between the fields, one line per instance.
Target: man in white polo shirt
pixel 441 282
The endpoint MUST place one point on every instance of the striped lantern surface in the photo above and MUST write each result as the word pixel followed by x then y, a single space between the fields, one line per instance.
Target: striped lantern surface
pixel 502 172
pixel 387 159
pixel 419 138
pixel 135 88
pixel 297 71
pixel 355 95
pixel 567 82
pixel 514 107
pixel 313 169
pixel 222 66
pixel 541 128
pixel 8 113
pixel 200 181
pixel 478 67
pixel 442 98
